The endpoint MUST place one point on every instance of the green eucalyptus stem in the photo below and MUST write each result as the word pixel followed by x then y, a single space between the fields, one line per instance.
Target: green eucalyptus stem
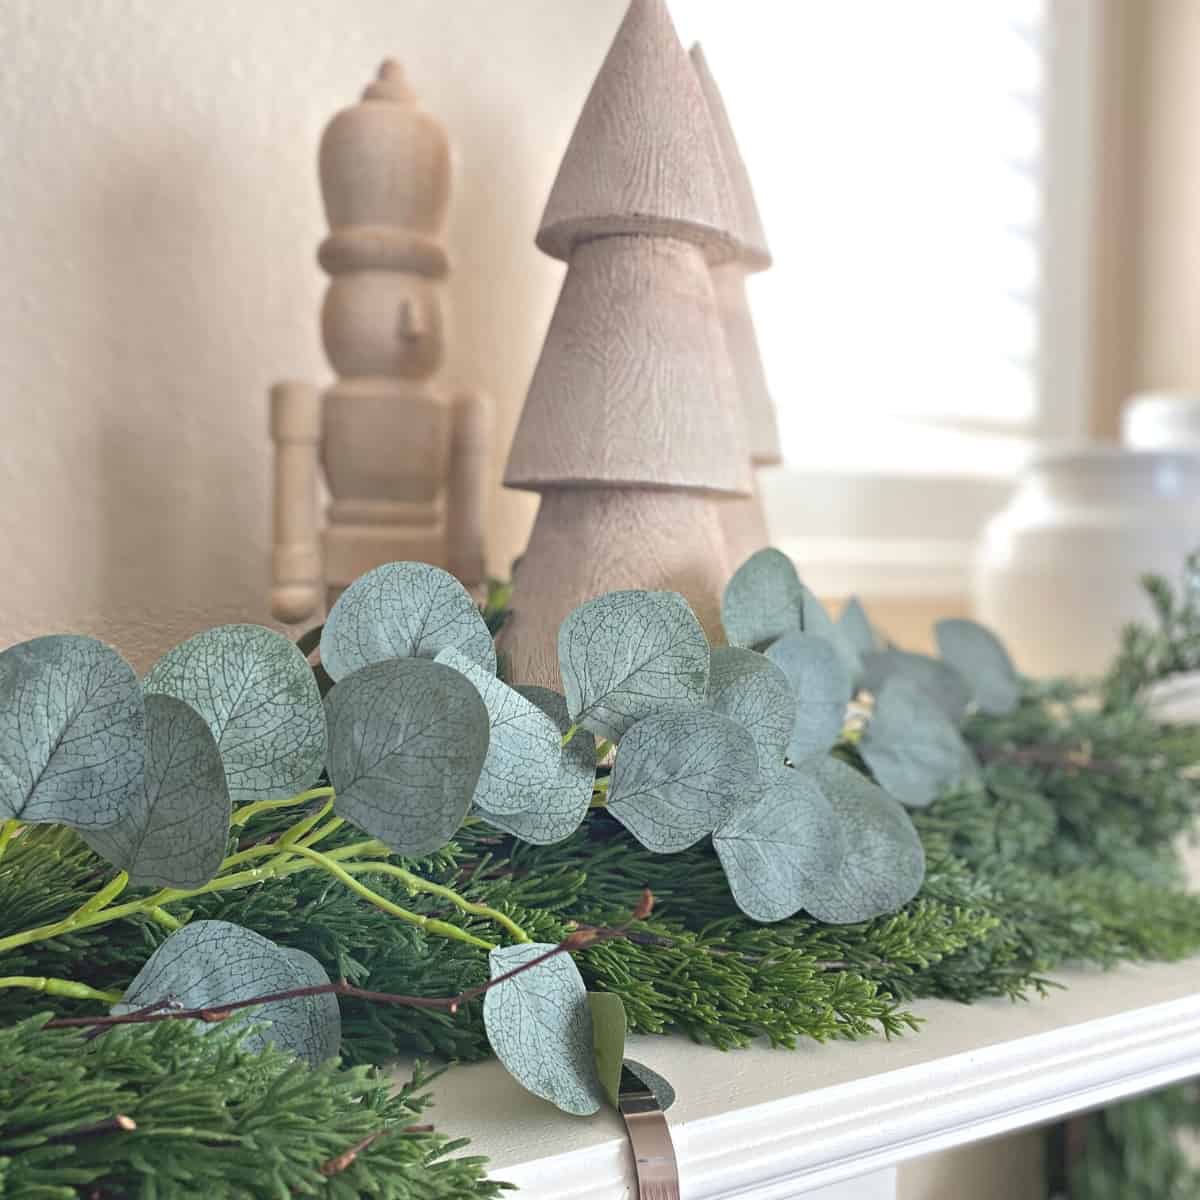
pixel 566 737
pixel 416 884
pixel 249 811
pixel 429 924
pixel 59 987
pixel 320 834
pixel 150 906
pixel 105 896
pixel 8 831
pixel 600 793
pixel 160 916
pixel 303 827
pixel 292 852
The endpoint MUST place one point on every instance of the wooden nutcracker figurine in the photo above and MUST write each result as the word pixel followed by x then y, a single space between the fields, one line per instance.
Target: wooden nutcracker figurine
pixel 403 461
pixel 743 520
pixel 632 429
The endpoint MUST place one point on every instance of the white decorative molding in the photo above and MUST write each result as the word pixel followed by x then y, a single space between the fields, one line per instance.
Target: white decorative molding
pixel 763 1124
pixel 878 1122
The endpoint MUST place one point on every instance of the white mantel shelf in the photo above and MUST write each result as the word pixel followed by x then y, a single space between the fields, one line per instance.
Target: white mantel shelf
pixel 762 1124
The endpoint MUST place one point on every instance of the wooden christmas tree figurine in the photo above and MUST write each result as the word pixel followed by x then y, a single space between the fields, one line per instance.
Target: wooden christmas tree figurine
pixel 403 461
pixel 744 521
pixel 631 430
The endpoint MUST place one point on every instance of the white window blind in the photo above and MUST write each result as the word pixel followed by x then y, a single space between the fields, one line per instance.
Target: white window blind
pixel 898 150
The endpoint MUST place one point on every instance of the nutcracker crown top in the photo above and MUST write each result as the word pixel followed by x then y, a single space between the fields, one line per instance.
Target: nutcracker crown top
pixel 645 156
pixel 385 177
pixel 756 255
pixel 389 84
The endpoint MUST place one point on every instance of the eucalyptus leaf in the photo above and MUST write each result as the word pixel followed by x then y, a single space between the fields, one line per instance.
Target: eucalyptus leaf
pixel 884 863
pixel 913 749
pixel 177 833
pixel 777 851
pixel 821 686
pixel 627 655
pixel 766 600
pixel 539 1023
pixel 818 623
pixel 663 1092
pixel 763 601
pixel 257 693
pixel 748 688
pixel 210 963
pixel 981 659
pixel 677 776
pixel 560 810
pixel 403 610
pixel 856 629
pixel 523 767
pixel 608 1040
pixel 407 742
pixel 937 679
pixel 72 736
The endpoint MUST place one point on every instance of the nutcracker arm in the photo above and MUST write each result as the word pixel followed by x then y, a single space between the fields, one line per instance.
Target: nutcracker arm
pixel 296 569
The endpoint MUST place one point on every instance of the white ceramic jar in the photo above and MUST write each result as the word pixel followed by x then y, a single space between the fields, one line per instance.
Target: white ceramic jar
pixel 1161 421
pixel 1058 571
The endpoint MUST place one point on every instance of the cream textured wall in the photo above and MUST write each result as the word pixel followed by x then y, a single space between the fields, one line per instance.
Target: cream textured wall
pixel 159 215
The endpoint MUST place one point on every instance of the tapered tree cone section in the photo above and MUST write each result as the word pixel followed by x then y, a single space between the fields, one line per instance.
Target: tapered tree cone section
pixel 634 385
pixel 644 157
pixel 587 542
pixel 744 522
pixel 754 254
pixel 760 427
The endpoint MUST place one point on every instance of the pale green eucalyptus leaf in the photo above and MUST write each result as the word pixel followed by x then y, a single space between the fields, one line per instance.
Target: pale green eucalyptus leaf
pixel 661 1088
pixel 677 776
pixel 748 688
pixel 72 737
pixel 627 655
pixel 523 767
pixel 257 693
pixel 608 1039
pixel 913 749
pixel 210 963
pixel 766 600
pixel 777 851
pixel 937 679
pixel 177 833
pixel 884 863
pixel 818 623
pixel 821 686
pixel 763 601
pixel 407 741
pixel 403 610
pixel 560 809
pixel 539 1023
pixel 981 659
pixel 856 629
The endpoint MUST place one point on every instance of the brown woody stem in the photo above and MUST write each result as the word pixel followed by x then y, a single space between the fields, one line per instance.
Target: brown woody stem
pixel 579 939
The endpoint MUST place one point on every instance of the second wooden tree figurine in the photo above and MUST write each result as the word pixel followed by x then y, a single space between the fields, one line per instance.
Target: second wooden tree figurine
pixel 632 431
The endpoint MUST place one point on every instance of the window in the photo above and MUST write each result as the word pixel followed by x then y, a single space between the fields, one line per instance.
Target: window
pixel 921 168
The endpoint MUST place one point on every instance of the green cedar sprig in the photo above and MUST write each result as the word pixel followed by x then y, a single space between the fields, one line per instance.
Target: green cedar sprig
pixel 166 1110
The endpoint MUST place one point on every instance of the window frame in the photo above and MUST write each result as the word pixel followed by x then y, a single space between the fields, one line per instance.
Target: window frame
pixel 912 531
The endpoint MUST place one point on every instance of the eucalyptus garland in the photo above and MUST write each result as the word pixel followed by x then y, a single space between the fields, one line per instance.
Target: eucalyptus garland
pixel 789 836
